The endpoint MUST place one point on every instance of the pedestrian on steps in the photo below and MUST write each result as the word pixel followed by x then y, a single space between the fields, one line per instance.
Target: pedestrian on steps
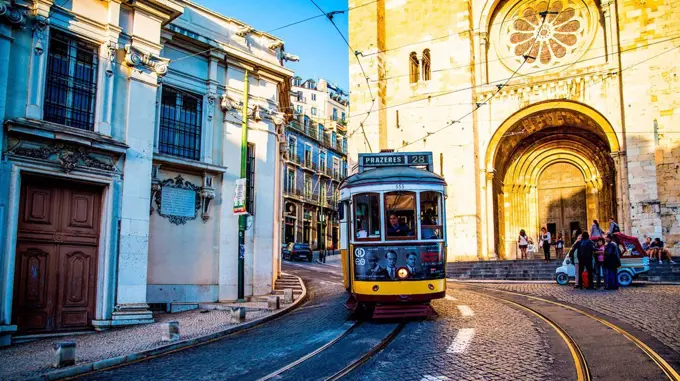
pixel 545 242
pixel 523 242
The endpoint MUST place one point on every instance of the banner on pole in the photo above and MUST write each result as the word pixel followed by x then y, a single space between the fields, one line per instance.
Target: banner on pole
pixel 240 197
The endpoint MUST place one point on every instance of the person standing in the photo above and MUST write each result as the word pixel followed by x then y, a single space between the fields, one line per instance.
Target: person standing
pixel 545 242
pixel 599 262
pixel 612 262
pixel 559 246
pixel 585 260
pixel 523 242
pixel 596 231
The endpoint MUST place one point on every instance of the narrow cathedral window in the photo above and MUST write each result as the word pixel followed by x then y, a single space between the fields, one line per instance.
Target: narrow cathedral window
pixel 426 65
pixel 414 68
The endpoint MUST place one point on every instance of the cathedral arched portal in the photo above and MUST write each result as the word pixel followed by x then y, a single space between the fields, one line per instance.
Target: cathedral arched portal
pixel 550 166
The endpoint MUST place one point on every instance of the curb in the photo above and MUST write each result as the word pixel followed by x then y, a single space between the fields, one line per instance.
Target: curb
pixel 151 353
pixel 508 281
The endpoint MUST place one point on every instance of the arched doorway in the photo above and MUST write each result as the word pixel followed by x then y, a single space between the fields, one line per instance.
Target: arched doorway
pixel 552 167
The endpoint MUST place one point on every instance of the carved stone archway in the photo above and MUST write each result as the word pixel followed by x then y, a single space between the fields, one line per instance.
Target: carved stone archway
pixel 524 147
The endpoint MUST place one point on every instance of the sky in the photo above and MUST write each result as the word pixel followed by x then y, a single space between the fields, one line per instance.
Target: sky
pixel 322 51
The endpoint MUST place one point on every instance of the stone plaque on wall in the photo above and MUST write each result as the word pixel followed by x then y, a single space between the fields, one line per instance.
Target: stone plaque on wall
pixel 177 200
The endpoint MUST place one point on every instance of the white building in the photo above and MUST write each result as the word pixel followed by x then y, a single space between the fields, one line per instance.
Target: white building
pixel 121 145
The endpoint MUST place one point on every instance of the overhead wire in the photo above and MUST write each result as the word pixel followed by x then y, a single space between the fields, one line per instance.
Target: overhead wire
pixel 553 107
pixel 361 66
pixel 544 15
pixel 529 74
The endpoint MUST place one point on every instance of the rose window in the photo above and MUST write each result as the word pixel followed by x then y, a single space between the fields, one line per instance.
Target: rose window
pixel 548 33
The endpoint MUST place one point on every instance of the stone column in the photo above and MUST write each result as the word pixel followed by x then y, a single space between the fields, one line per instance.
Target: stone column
pixel 490 218
pixel 105 96
pixel 231 144
pixel 144 69
pixel 38 65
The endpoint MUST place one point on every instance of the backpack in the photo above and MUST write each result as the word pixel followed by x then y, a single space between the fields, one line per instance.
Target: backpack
pixel 616 228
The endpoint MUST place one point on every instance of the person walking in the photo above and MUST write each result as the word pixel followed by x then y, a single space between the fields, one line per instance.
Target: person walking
pixel 559 246
pixel 545 242
pixel 612 261
pixel 613 229
pixel 596 231
pixel 585 260
pixel 523 242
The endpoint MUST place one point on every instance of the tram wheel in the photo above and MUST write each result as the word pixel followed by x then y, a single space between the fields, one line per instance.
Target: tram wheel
pixel 364 311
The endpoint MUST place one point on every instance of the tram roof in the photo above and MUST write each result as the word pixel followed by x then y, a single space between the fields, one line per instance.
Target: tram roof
pixel 392 175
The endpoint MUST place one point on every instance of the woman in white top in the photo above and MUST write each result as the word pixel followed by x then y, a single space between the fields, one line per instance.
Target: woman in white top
pixel 545 241
pixel 523 242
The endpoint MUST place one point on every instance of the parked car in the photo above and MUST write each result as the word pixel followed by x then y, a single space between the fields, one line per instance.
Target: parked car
pixel 633 262
pixel 294 251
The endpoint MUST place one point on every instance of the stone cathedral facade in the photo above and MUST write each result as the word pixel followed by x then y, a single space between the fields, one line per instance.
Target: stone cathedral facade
pixel 540 113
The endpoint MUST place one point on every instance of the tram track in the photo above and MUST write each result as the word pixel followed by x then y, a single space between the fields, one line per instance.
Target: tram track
pixel 538 307
pixel 307 360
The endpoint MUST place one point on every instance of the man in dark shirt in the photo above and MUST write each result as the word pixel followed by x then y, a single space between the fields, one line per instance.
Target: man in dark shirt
pixel 395 229
pixel 585 260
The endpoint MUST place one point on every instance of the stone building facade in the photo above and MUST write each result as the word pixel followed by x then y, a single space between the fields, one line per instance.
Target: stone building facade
pixel 540 113
pixel 121 141
pixel 316 163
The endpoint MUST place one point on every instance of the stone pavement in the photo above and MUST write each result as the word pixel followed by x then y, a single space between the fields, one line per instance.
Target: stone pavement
pixel 31 359
pixel 654 309
pixel 505 345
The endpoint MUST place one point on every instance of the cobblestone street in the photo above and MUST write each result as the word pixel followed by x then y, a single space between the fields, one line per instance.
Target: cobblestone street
pixel 654 309
pixel 474 336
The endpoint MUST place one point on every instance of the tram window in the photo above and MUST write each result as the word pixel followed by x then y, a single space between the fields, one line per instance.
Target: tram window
pixel 367 216
pixel 430 215
pixel 400 210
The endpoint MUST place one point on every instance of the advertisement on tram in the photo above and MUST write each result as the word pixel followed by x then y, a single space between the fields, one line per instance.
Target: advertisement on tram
pixel 412 262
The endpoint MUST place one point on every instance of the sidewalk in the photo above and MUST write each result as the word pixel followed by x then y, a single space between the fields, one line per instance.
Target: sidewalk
pixel 102 349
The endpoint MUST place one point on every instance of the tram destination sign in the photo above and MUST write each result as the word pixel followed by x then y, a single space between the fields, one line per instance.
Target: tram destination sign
pixel 395 160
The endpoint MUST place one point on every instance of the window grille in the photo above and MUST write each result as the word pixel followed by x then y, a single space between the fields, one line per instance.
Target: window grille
pixel 250 179
pixel 180 127
pixel 71 86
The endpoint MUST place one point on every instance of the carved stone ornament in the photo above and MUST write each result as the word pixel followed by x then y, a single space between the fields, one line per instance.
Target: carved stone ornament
pixel 111 48
pixel 69 157
pixel 245 31
pixel 12 14
pixel 211 97
pixel 180 183
pixel 276 45
pixel 289 57
pixel 143 60
pixel 227 103
pixel 278 117
pixel 39 34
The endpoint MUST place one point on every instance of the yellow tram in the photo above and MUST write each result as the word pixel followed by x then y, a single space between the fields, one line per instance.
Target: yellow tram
pixel 393 236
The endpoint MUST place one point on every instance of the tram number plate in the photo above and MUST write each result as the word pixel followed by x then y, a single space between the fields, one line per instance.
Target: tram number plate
pixel 417 159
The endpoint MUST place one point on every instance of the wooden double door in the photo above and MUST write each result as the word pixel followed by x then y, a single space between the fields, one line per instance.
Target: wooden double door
pixel 56 255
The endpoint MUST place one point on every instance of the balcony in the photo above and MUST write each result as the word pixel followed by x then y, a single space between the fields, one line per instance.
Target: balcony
pixel 308 163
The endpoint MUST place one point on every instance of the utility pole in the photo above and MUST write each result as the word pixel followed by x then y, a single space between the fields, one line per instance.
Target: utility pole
pixel 242 218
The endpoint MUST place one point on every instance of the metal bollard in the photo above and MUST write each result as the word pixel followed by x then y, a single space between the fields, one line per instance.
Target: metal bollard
pixel 288 295
pixel 64 354
pixel 273 302
pixel 170 331
pixel 238 315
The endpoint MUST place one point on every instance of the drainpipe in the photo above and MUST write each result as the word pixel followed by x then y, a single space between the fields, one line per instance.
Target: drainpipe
pixel 243 217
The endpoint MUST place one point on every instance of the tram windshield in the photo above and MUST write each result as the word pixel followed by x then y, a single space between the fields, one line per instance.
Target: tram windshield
pixel 400 210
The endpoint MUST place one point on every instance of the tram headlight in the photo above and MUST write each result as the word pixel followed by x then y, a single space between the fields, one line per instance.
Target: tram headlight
pixel 376 288
pixel 402 273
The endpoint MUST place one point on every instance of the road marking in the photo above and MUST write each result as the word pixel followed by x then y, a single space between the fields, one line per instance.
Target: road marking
pixel 466 311
pixel 449 297
pixel 427 377
pixel 462 341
